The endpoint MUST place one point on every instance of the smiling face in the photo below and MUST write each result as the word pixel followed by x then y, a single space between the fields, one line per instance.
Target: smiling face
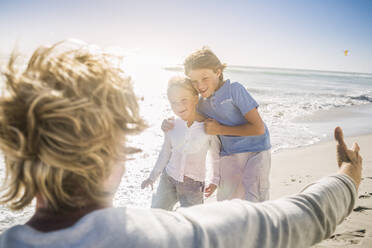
pixel 183 103
pixel 205 81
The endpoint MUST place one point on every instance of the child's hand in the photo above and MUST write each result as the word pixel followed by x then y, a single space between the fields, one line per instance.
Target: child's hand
pixel 210 190
pixel 146 183
pixel 167 124
pixel 212 127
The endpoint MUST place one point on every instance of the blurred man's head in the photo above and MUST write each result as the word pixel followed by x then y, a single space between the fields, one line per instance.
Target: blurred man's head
pixel 62 124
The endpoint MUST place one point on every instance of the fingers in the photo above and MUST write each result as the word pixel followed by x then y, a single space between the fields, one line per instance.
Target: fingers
pixel 210 190
pixel 353 155
pixel 341 147
pixel 354 168
pixel 208 193
pixel 211 127
pixel 143 185
pixel 339 136
pixel 343 154
pixel 146 183
pixel 207 122
pixel 356 148
pixel 207 125
pixel 167 124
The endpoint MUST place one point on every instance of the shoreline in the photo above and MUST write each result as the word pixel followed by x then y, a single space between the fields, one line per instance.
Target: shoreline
pixel 293 169
pixel 354 121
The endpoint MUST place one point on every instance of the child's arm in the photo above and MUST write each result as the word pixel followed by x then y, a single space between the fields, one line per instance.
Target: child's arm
pixel 255 126
pixel 214 150
pixel 161 162
pixel 248 108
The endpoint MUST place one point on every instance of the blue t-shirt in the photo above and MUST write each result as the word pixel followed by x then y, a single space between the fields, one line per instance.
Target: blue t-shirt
pixel 228 105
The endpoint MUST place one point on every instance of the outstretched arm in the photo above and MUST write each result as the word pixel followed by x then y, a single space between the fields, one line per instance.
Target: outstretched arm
pixel 297 221
pixel 349 161
pixel 301 220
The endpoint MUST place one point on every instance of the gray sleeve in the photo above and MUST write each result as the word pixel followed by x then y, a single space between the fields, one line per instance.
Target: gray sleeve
pixel 296 221
pixel 300 220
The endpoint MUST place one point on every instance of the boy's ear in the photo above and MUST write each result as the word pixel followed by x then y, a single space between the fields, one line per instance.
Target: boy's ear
pixel 218 72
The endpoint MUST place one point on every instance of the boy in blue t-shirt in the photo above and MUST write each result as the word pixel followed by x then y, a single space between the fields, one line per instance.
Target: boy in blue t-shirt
pixel 232 115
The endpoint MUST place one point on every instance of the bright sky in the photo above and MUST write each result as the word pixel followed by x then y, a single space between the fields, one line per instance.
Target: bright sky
pixel 288 34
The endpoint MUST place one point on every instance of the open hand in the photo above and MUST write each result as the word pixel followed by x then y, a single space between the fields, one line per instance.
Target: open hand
pixel 349 161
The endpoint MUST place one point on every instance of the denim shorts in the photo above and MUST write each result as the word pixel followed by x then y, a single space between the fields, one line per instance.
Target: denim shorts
pixel 170 191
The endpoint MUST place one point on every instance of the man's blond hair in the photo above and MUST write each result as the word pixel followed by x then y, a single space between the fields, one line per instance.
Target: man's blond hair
pixel 62 123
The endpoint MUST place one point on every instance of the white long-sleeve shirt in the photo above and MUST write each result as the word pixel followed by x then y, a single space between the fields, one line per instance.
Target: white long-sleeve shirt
pixel 297 221
pixel 184 153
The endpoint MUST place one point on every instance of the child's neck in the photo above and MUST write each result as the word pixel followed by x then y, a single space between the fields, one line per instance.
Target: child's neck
pixel 220 83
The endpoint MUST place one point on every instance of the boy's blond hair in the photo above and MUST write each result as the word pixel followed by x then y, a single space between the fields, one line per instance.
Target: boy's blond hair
pixel 62 123
pixel 203 59
pixel 180 82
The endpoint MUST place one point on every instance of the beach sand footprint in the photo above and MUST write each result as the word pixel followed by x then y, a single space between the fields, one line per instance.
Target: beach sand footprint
pixel 352 237
pixel 365 196
pixel 361 209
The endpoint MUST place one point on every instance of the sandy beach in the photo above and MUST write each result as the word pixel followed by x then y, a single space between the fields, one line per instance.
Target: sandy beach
pixel 292 169
pixel 295 168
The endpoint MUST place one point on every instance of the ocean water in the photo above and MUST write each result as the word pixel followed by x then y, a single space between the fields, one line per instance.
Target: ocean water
pixel 300 107
pixel 288 98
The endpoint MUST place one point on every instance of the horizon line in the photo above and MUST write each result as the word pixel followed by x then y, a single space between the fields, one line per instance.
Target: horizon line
pixel 280 68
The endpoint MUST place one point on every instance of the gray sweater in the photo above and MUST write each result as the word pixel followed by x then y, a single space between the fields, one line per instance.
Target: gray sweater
pixel 296 221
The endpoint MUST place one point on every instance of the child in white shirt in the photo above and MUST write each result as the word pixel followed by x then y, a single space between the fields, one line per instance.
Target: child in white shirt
pixel 182 159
